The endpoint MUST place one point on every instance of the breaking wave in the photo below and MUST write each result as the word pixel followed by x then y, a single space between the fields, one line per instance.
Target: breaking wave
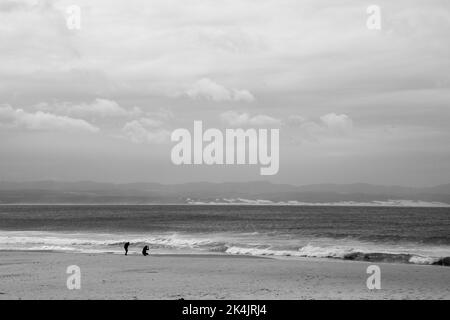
pixel 250 244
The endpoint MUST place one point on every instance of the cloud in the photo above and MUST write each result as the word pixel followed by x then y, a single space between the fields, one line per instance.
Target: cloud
pixel 243 95
pixel 302 44
pixel 43 121
pixel 209 90
pixel 162 114
pixel 145 130
pixel 10 6
pixel 229 39
pixel 236 119
pixel 99 108
pixel 329 125
pixel 295 120
pixel 336 122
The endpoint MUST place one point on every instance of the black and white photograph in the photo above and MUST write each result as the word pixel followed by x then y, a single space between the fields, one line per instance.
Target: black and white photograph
pixel 224 150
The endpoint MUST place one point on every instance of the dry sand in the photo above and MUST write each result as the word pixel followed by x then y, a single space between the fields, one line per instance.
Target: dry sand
pixel 42 275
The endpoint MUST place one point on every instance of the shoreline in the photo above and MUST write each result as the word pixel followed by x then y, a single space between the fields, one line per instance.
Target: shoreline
pixel 42 275
pixel 438 263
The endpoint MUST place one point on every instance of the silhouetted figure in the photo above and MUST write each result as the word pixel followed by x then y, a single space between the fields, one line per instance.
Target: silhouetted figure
pixel 125 246
pixel 144 251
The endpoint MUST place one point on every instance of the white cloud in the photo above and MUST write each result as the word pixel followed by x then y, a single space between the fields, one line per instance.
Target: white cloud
pixel 209 90
pixel 236 119
pixel 145 130
pixel 99 108
pixel 330 125
pixel 162 114
pixel 297 45
pixel 262 119
pixel 295 120
pixel 40 120
pixel 243 95
pixel 337 122
pixel 150 123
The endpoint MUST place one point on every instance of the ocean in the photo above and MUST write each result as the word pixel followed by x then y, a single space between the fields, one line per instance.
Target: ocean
pixel 378 234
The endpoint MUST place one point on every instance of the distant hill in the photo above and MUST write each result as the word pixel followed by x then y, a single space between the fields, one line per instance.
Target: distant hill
pixel 88 192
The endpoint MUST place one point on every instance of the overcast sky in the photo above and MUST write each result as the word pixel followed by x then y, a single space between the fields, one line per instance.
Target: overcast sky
pixel 99 103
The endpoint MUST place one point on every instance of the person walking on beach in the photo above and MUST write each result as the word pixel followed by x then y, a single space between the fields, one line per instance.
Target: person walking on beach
pixel 125 246
pixel 144 251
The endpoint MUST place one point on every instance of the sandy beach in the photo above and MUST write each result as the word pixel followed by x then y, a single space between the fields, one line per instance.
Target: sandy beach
pixel 42 275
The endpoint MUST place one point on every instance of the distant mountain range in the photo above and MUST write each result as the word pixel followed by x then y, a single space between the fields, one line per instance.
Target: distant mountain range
pixel 87 192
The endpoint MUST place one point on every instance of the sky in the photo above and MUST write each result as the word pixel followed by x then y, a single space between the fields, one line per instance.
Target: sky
pixel 99 103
